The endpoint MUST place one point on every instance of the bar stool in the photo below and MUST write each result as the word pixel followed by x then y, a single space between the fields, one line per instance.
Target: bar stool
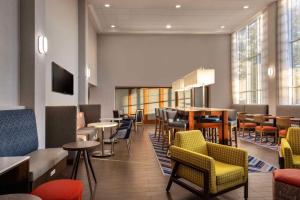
pixel 161 123
pixel 64 189
pixel 174 123
pixel 156 121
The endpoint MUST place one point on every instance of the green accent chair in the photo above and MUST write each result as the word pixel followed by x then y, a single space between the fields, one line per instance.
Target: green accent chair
pixel 215 168
pixel 290 148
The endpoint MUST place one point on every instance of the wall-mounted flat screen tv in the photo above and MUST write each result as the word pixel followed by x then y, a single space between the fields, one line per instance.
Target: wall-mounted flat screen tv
pixel 62 80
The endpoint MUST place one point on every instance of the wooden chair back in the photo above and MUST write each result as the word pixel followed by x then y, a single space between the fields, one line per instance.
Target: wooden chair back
pixel 259 118
pixel 283 123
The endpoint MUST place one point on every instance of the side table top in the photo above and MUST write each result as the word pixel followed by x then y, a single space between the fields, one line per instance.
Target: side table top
pixel 19 197
pixel 7 163
pixel 74 146
pixel 103 124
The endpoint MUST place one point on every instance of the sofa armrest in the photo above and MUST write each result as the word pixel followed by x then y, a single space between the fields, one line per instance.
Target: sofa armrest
pixel 227 154
pixel 287 153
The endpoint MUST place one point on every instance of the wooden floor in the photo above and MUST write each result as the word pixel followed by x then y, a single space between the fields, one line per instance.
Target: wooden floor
pixel 138 176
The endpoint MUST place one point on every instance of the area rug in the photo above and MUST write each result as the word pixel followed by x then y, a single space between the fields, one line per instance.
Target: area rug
pixel 268 145
pixel 255 165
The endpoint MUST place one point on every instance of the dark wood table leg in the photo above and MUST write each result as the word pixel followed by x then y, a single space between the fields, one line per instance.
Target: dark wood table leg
pixel 75 165
pixel 91 167
pixel 88 172
pixel 191 120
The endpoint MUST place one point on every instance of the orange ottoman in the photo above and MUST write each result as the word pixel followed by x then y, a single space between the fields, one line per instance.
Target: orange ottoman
pixel 64 189
pixel 286 184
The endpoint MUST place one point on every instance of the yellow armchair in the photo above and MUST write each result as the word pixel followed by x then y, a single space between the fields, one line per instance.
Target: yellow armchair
pixel 215 168
pixel 290 148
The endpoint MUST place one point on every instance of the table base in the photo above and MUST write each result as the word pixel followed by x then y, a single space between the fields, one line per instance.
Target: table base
pixel 100 154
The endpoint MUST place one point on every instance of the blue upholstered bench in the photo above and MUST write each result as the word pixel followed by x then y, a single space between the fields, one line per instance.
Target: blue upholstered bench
pixel 18 137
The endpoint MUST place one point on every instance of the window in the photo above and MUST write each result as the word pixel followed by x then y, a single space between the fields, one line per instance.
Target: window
pixel 289 51
pixel 295 48
pixel 184 98
pixel 128 100
pixel 248 64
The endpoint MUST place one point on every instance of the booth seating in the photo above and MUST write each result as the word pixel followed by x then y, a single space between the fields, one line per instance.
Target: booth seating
pixel 63 189
pixel 251 108
pixel 83 132
pixel 286 184
pixel 18 133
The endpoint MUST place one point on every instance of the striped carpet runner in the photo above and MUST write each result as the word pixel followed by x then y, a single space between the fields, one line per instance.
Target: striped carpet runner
pixel 255 164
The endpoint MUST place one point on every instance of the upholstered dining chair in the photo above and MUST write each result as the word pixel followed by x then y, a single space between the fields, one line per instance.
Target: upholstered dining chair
pixel 244 124
pixel 290 148
pixel 139 118
pixel 263 130
pixel 283 124
pixel 215 168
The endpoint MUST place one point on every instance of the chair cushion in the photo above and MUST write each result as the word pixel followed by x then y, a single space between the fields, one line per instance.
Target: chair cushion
pixel 296 159
pixel 44 159
pixel 282 133
pixel 227 173
pixel 63 189
pixel 247 125
pixel 80 120
pixel 266 128
pixel 18 132
pixel 288 176
pixel 89 133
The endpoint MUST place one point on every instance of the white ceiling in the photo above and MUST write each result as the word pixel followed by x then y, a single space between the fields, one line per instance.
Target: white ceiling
pixel 195 16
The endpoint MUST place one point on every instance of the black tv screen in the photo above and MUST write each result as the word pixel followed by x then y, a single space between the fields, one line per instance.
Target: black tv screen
pixel 62 80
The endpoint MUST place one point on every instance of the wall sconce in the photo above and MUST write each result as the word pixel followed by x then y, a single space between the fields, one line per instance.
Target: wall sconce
pixel 271 71
pixel 88 72
pixel 42 44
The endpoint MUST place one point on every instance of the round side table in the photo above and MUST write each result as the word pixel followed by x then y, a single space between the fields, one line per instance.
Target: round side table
pixel 82 147
pixel 100 126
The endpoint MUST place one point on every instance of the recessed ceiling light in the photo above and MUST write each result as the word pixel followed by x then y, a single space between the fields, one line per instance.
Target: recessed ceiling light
pixel 178 6
pixel 168 26
pixel 112 26
pixel 246 7
pixel 106 5
pixel 222 27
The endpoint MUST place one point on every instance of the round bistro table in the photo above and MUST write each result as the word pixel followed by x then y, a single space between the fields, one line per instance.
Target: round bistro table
pixel 82 147
pixel 100 126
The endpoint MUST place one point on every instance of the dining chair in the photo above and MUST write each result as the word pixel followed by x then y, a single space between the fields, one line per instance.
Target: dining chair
pixel 264 130
pixel 283 124
pixel 139 119
pixel 232 125
pixel 244 124
pixel 123 133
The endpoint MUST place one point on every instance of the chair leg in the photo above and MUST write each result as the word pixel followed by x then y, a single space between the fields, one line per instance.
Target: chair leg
pixel 128 145
pixel 246 191
pixel 160 130
pixel 171 177
pixel 235 137
pixel 155 128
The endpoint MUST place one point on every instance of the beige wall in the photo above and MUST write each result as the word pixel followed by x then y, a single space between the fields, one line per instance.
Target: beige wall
pixel 62 33
pixel 9 53
pixel 157 60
